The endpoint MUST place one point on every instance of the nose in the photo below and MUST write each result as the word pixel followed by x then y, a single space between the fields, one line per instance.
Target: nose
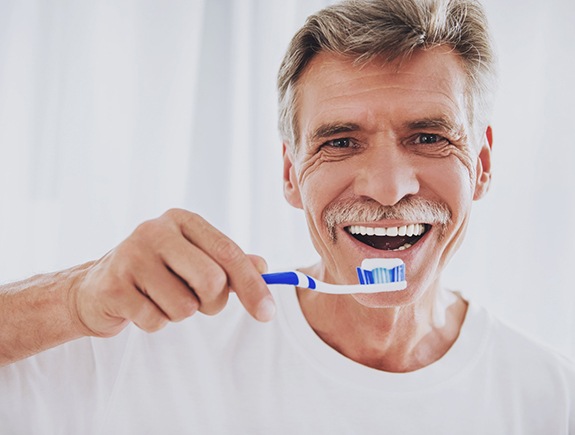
pixel 387 173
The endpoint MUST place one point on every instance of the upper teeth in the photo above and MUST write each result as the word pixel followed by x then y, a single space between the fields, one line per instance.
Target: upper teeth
pixel 405 230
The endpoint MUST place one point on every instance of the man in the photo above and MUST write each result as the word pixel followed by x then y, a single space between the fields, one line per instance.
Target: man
pixel 384 111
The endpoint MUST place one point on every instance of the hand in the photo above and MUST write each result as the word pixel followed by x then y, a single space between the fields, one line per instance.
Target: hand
pixel 167 270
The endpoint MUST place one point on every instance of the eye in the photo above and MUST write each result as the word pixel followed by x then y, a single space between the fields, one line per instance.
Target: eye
pixel 429 139
pixel 343 142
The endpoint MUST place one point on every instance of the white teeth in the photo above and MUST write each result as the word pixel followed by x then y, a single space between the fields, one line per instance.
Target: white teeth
pixel 392 232
pixel 405 230
pixel 418 229
pixel 404 247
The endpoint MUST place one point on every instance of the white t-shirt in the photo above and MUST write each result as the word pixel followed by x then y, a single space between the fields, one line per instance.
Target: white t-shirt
pixel 230 374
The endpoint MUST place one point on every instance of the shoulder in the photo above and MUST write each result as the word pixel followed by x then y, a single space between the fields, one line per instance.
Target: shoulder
pixel 518 354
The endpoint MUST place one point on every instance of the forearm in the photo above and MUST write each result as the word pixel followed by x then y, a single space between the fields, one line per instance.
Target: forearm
pixel 37 314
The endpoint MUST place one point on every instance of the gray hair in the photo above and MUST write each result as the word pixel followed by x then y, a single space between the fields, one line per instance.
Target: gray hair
pixel 392 30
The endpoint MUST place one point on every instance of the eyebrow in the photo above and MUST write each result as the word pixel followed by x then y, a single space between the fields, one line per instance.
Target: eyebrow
pixel 325 131
pixel 438 123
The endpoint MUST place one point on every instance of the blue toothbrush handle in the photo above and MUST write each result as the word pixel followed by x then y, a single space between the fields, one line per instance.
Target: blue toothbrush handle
pixel 289 278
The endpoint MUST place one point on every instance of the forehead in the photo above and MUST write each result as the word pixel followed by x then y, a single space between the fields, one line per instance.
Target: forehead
pixel 376 95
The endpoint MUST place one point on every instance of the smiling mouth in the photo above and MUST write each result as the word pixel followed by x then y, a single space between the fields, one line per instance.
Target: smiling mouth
pixel 389 238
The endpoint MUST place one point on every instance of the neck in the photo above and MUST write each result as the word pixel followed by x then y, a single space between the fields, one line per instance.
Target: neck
pixel 394 339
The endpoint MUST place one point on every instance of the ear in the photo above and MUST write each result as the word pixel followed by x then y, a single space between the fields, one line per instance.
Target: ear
pixel 483 173
pixel 291 185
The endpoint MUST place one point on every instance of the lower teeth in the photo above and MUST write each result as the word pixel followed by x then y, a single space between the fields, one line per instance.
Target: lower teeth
pixel 402 248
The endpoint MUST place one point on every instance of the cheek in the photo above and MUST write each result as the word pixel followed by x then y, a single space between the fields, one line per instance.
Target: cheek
pixel 322 183
pixel 450 179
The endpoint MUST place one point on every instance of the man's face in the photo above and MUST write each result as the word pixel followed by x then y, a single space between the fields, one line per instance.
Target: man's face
pixel 386 146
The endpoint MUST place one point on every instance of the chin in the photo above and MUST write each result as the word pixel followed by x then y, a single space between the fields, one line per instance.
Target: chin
pixel 395 299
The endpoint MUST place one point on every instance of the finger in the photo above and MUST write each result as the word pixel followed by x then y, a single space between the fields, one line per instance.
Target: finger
pixel 259 263
pixel 197 273
pixel 139 309
pixel 168 292
pixel 242 276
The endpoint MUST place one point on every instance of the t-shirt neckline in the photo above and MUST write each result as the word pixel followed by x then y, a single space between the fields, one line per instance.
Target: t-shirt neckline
pixel 462 355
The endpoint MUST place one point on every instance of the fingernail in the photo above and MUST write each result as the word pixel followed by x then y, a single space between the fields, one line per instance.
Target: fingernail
pixel 266 310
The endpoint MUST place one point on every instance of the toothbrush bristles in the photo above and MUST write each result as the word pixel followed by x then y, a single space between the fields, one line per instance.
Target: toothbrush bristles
pixel 381 275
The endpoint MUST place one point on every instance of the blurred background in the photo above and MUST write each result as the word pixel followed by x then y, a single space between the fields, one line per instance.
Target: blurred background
pixel 113 111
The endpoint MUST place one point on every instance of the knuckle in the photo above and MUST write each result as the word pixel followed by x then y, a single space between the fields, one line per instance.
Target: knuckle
pixel 216 305
pixel 186 308
pixel 226 251
pixel 149 236
pixel 153 325
pixel 211 285
pixel 216 281
pixel 173 213
pixel 149 320
pixel 146 228
pixel 212 291
pixel 183 217
pixel 146 234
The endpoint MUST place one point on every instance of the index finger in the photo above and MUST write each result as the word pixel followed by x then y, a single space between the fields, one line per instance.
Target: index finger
pixel 243 276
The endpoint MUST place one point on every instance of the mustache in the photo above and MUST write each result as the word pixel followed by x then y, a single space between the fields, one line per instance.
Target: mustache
pixel 409 208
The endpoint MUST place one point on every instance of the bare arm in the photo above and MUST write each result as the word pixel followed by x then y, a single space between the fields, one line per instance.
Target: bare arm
pixel 35 314
pixel 167 270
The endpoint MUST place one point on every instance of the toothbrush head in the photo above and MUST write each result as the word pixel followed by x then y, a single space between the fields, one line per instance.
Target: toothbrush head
pixel 381 271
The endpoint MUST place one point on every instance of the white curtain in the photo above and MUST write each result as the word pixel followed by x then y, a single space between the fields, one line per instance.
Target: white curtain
pixel 112 111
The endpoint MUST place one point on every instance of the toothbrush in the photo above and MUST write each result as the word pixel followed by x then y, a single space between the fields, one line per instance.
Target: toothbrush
pixel 375 275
